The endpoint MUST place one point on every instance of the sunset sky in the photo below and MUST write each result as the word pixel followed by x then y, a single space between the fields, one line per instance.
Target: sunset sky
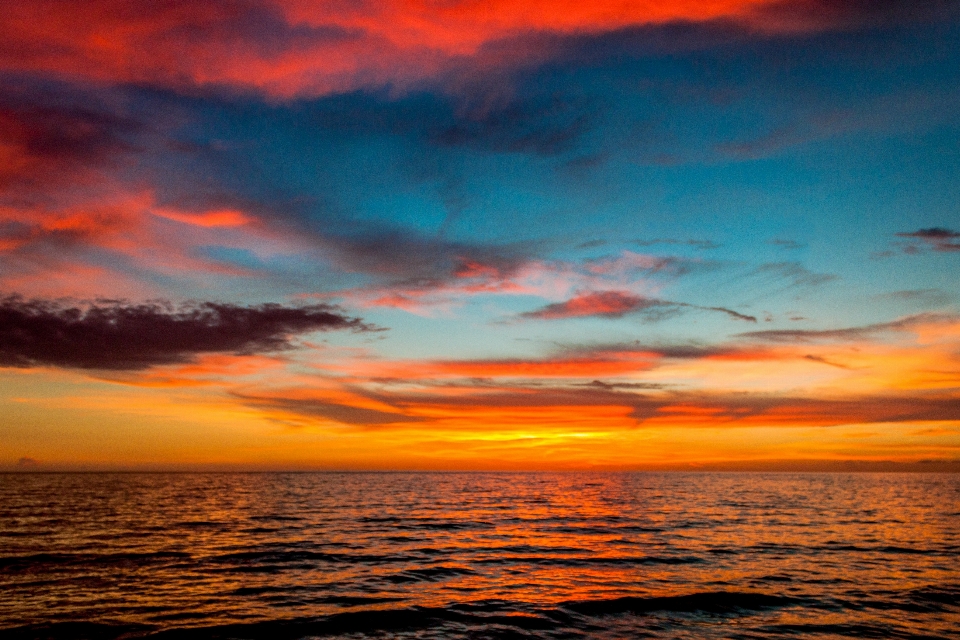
pixel 485 234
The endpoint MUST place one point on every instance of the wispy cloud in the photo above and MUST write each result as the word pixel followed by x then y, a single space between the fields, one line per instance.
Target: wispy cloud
pixel 937 238
pixel 459 272
pixel 617 304
pixel 794 273
pixel 698 244
pixel 604 304
pixel 865 332
pixel 787 244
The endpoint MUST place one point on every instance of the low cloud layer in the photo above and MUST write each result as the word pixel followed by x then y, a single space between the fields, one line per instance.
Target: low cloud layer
pixel 123 336
pixel 920 321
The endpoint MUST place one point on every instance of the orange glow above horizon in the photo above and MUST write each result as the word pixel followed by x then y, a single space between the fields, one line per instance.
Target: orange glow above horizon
pixel 552 413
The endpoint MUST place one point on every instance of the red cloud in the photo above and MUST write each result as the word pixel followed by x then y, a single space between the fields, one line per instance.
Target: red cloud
pixel 308 47
pixel 40 145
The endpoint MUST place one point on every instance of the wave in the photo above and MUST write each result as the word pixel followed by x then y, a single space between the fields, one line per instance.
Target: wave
pixel 499 619
pixel 708 602
pixel 46 560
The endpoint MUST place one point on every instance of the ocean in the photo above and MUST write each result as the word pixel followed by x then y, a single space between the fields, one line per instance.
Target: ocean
pixel 479 555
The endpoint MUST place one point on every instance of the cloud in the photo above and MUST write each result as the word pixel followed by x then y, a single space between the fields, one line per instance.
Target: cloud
pixel 867 332
pixel 604 304
pixel 46 138
pixel 481 406
pixel 817 379
pixel 455 272
pixel 787 244
pixel 736 315
pixel 545 127
pixel 934 297
pixel 846 14
pixel 617 304
pixel 699 244
pixel 822 360
pixel 181 44
pixel 937 238
pixel 420 261
pixel 758 409
pixel 122 246
pixel 123 336
pixel 289 48
pixel 526 120
pixel 325 409
pixel 794 273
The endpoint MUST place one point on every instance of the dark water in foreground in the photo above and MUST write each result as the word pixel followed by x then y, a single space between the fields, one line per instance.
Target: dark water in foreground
pixel 480 555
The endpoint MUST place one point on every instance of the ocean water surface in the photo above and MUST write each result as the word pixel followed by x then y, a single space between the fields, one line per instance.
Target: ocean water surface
pixel 480 555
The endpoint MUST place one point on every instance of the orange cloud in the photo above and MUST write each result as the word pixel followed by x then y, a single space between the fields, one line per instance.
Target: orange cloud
pixel 215 218
pixel 556 368
pixel 614 406
pixel 775 385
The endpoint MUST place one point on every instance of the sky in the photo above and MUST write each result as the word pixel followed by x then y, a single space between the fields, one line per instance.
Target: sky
pixel 479 234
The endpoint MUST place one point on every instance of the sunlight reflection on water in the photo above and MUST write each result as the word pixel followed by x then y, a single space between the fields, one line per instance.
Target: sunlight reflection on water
pixel 481 555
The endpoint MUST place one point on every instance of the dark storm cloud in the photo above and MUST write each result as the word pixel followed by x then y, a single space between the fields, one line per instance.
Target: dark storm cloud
pixel 938 238
pixel 122 336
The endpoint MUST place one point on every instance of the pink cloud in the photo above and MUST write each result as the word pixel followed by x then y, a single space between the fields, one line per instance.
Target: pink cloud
pixel 65 250
pixel 610 304
pixel 629 275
